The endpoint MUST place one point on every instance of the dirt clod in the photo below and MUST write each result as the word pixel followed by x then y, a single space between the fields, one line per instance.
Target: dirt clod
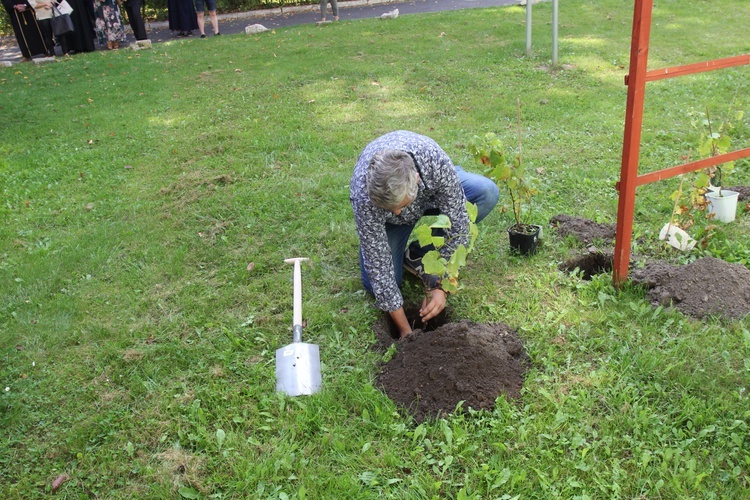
pixel 584 230
pixel 471 362
pixel 706 287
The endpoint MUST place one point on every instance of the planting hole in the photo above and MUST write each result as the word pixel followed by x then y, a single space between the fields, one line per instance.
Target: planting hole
pixel 412 314
pixel 589 264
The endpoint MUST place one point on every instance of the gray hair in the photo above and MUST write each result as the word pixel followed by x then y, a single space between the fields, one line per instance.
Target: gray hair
pixel 391 178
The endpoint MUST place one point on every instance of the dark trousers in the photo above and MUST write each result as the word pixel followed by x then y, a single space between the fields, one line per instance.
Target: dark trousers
pixel 133 8
pixel 45 26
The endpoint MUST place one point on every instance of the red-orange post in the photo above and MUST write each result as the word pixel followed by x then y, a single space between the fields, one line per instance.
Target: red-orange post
pixel 636 81
pixel 631 145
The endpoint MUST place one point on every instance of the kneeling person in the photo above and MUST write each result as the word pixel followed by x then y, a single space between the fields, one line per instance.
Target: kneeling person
pixel 398 178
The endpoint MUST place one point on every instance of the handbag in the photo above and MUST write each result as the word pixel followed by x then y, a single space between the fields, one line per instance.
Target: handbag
pixel 61 23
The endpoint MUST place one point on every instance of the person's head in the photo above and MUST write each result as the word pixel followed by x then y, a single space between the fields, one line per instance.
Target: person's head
pixel 392 180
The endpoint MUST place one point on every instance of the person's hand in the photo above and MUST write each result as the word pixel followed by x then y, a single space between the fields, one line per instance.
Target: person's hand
pixel 402 323
pixel 435 305
pixel 20 7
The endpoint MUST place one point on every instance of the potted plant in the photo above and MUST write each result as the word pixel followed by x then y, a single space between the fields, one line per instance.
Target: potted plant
pixel 488 151
pixel 721 202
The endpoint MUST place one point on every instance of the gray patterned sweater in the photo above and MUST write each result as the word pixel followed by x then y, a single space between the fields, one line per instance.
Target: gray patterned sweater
pixel 439 188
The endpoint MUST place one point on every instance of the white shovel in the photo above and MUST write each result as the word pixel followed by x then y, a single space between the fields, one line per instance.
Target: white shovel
pixel 298 364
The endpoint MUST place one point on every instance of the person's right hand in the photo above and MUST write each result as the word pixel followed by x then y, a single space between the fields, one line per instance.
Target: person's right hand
pixel 20 7
pixel 434 306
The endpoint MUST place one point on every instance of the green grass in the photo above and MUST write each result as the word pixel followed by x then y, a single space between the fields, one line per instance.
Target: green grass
pixel 138 186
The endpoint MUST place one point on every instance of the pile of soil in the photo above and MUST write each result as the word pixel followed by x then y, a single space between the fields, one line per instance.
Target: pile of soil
pixel 706 287
pixel 743 190
pixel 584 230
pixel 471 362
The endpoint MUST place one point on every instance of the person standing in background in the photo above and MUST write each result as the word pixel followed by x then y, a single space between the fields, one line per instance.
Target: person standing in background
pixel 109 27
pixel 27 30
pixel 211 5
pixel 43 12
pixel 82 39
pixel 334 10
pixel 182 17
pixel 133 9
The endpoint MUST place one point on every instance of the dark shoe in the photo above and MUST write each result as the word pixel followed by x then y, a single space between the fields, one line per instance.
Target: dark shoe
pixel 413 260
pixel 413 264
pixel 203 35
pixel 217 34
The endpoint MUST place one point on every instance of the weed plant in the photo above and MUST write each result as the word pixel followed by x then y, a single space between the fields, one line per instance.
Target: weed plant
pixel 149 199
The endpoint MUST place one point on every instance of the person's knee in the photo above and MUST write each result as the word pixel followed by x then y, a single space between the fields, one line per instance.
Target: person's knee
pixel 486 200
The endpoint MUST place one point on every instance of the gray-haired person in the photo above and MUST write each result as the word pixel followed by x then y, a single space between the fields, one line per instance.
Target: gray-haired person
pixel 398 178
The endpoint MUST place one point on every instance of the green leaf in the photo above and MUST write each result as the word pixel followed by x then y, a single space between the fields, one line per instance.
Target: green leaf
pixel 433 263
pixel 442 222
pixel 457 260
pixel 499 173
pixel 220 436
pixel 187 492
pixel 472 210
pixel 423 234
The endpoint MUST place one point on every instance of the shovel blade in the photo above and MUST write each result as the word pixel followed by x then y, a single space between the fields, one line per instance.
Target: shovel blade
pixel 298 369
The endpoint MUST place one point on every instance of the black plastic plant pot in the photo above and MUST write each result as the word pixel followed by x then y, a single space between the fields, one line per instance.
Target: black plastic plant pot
pixel 524 239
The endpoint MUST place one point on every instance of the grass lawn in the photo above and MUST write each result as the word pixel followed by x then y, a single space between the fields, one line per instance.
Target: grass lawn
pixel 148 200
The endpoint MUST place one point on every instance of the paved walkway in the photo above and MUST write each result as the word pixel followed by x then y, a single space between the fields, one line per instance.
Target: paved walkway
pixel 289 16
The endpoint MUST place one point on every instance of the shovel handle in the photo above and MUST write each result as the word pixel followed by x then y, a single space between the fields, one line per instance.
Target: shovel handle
pixel 297 320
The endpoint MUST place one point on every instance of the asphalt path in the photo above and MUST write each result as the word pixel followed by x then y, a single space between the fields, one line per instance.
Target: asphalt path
pixel 291 16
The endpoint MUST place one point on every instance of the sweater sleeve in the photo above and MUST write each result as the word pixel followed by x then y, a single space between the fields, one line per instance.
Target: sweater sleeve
pixel 377 258
pixel 451 201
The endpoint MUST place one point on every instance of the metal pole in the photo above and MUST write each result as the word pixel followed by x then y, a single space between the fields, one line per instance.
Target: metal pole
pixel 528 28
pixel 554 31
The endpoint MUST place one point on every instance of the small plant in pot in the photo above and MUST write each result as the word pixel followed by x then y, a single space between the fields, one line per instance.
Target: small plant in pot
pixel 715 141
pixel 509 175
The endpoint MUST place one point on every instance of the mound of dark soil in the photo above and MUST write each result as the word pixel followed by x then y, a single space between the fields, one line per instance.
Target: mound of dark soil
pixel 584 230
pixel 708 286
pixel 743 190
pixel 433 371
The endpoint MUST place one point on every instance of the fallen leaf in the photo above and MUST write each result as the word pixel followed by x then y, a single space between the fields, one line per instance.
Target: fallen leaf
pixel 59 481
pixel 540 170
pixel 311 101
pixel 128 167
pixel 441 35
pixel 251 266
pixel 89 206
pixel 150 340
pixel 90 100
pixel 375 83
pixel 238 70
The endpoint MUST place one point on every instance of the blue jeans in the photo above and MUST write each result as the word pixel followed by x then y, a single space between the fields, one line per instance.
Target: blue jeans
pixel 478 189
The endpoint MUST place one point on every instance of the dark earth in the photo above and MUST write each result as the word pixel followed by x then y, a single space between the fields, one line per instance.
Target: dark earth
pixel 432 371
pixel 443 363
pixel 584 230
pixel 706 287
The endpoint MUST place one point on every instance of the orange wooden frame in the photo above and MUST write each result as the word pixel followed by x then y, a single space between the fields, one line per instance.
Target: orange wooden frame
pixel 636 80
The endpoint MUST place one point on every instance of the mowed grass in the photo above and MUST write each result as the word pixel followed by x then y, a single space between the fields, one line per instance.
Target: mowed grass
pixel 149 199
